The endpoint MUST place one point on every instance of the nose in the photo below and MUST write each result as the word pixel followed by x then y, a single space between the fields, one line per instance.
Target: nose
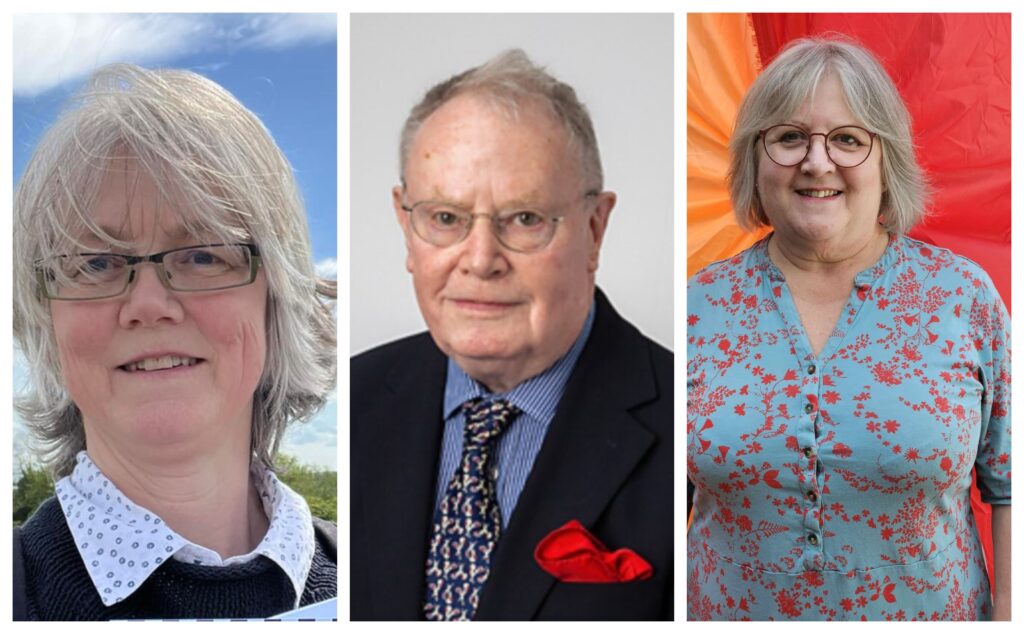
pixel 817 161
pixel 147 302
pixel 482 255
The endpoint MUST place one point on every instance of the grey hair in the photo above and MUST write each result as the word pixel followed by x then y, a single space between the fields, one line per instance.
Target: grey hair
pixel 871 95
pixel 509 80
pixel 217 161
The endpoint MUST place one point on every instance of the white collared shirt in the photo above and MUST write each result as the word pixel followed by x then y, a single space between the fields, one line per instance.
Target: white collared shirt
pixel 122 543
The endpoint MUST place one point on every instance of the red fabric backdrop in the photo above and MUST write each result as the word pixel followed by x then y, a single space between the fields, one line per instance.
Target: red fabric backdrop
pixel 953 71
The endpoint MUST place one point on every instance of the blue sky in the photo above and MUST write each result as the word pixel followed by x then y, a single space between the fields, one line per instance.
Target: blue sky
pixel 283 67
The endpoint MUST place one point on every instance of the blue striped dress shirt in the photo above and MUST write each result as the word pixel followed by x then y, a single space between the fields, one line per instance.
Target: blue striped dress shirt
pixel 538 399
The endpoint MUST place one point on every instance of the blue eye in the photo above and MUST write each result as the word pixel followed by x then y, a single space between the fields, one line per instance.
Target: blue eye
pixel 202 257
pixel 197 258
pixel 96 265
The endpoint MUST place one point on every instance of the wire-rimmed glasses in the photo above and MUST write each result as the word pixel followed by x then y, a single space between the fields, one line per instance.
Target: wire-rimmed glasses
pixel 443 224
pixel 204 267
pixel 846 146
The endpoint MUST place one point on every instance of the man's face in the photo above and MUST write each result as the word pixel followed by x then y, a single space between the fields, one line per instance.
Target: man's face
pixel 503 316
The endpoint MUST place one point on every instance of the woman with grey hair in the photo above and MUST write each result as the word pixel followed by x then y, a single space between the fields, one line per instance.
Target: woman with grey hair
pixel 844 382
pixel 166 302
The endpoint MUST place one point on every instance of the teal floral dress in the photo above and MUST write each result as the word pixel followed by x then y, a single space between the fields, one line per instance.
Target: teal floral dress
pixel 837 486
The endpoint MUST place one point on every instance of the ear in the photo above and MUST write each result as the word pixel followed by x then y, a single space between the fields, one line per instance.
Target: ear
pixel 598 223
pixel 402 216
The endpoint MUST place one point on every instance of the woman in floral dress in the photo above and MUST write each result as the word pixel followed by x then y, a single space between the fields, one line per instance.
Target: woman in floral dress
pixel 843 380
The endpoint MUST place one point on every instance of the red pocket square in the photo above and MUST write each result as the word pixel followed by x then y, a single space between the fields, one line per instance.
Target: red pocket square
pixel 572 554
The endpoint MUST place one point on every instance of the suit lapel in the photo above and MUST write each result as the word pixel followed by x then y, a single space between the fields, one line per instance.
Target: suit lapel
pixel 399 496
pixel 591 447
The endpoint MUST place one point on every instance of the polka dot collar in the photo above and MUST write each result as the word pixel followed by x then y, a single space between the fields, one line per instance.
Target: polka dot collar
pixel 122 543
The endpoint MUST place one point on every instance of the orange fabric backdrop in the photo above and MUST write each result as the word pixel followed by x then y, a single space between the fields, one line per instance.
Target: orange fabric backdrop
pixel 721 63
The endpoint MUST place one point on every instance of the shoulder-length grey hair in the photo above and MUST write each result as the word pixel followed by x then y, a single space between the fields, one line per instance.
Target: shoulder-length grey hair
pixel 509 80
pixel 216 160
pixel 787 83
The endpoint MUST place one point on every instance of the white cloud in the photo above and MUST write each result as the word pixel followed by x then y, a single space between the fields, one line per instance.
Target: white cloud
pixel 315 442
pixel 284 30
pixel 327 268
pixel 55 49
pixel 50 50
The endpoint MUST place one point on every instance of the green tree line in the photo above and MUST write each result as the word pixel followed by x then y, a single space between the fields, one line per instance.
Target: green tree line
pixel 318 486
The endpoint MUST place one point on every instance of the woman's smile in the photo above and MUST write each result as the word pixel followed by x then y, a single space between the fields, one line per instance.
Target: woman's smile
pixel 816 205
pixel 186 363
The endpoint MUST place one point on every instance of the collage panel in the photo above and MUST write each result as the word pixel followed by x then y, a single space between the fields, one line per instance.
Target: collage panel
pixel 174 265
pixel 848 329
pixel 511 430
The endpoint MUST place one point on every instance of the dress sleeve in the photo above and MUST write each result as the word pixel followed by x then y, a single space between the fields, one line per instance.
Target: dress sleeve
pixel 990 330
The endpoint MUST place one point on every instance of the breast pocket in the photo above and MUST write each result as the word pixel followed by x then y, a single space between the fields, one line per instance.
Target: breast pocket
pixel 647 600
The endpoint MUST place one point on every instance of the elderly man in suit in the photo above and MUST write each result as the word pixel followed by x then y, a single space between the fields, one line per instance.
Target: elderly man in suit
pixel 516 461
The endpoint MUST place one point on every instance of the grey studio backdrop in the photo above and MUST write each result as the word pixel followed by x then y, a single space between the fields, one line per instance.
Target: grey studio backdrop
pixel 621 66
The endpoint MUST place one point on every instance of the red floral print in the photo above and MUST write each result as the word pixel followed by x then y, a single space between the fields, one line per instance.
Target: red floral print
pixel 836 486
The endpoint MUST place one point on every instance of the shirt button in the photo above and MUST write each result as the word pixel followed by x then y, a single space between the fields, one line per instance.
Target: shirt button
pixel 811 369
pixel 808 453
pixel 812 539
pixel 808 408
pixel 812 496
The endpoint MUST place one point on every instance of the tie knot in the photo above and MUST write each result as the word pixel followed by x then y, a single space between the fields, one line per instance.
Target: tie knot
pixel 486 420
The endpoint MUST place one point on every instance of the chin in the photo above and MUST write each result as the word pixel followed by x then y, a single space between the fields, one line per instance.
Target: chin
pixel 821 231
pixel 168 423
pixel 478 351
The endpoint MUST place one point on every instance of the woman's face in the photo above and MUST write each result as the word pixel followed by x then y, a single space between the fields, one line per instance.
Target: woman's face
pixel 133 411
pixel 814 202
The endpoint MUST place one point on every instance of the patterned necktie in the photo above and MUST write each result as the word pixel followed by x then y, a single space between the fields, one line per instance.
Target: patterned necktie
pixel 467 524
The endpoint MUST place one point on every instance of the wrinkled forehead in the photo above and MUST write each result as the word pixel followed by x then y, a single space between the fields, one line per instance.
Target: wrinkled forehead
pixel 515 150
pixel 127 204
pixel 489 115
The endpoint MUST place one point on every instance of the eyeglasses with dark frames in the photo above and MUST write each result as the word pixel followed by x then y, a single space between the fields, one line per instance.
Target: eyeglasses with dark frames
pixel 197 268
pixel 846 146
pixel 444 224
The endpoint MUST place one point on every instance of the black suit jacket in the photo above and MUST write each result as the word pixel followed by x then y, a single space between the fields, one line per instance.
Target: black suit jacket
pixel 606 461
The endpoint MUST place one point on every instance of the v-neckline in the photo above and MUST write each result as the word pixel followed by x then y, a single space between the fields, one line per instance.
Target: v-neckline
pixel 795 329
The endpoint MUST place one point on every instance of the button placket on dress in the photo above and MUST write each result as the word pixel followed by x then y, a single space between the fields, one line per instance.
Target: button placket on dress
pixel 814 534
pixel 807 423
pixel 811 483
pixel 813 368
pixel 813 556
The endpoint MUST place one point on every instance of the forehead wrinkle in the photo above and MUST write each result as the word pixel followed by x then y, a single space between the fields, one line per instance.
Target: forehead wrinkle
pixel 452 134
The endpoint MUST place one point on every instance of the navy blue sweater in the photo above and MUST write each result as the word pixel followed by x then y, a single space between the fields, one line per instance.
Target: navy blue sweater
pixel 58 587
